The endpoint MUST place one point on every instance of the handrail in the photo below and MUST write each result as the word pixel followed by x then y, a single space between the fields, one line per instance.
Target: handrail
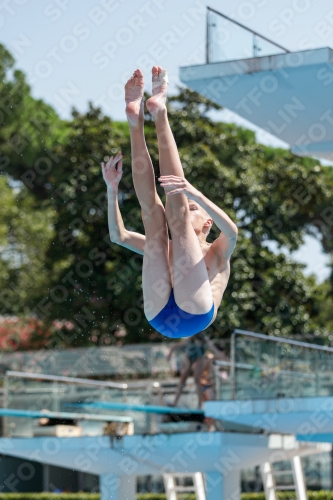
pixel 245 366
pixel 74 380
pixel 283 340
pixel 19 413
pixel 271 339
pixel 210 9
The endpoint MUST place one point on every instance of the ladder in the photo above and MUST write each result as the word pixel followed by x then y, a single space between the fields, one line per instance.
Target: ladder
pixel 296 472
pixel 172 488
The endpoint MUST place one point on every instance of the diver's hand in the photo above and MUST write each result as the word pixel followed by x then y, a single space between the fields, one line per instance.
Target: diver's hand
pixel 113 171
pixel 177 185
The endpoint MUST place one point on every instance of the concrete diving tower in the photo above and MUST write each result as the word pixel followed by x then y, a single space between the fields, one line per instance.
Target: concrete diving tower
pixel 117 462
pixel 288 95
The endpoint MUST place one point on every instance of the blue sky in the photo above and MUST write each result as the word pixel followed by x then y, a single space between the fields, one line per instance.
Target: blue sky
pixel 78 51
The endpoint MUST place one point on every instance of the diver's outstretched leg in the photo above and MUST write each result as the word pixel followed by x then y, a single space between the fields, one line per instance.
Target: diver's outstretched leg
pixel 156 283
pixel 192 289
pixel 184 374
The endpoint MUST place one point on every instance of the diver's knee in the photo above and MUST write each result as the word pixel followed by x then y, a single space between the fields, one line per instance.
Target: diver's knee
pixel 155 211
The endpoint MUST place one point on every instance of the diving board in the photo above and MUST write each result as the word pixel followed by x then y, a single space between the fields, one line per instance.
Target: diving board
pixel 8 412
pixel 288 95
pixel 316 438
pixel 163 410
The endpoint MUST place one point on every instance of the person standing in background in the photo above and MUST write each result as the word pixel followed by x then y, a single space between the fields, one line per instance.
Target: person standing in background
pixel 194 361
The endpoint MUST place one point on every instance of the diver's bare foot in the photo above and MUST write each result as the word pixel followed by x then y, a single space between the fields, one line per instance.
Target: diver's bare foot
pixel 156 104
pixel 134 98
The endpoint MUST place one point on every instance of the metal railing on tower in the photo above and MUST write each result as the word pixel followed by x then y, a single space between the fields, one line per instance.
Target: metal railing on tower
pixel 229 40
pixel 264 366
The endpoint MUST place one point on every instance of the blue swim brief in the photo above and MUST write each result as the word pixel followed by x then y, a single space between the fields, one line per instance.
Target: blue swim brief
pixel 173 322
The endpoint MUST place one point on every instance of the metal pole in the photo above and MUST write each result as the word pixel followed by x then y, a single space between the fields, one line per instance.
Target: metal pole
pixel 80 480
pixel 70 380
pixel 46 477
pixel 331 457
pixel 5 405
pixel 317 383
pixel 283 340
pixel 151 418
pixel 207 37
pixel 233 363
pixel 218 385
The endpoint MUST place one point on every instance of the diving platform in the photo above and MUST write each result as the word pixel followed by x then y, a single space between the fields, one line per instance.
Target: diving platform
pixel 288 94
pixel 220 456
pixel 160 410
pixel 298 416
pixel 274 405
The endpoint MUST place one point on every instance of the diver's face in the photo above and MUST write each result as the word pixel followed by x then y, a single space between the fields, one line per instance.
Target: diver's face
pixel 197 217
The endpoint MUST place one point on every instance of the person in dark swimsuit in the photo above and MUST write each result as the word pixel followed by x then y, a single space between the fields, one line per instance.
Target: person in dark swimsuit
pixel 208 373
pixel 193 361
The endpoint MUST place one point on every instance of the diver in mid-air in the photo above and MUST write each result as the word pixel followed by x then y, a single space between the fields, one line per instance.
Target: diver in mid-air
pixel 183 279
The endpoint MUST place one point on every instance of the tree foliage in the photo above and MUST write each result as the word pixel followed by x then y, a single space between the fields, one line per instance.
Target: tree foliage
pixel 26 230
pixel 29 128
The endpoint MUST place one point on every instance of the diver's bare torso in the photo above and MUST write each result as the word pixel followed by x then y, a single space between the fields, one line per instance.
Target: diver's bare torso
pixel 218 270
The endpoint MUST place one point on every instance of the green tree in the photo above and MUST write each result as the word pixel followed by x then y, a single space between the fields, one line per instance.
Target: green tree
pixel 29 129
pixel 25 234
